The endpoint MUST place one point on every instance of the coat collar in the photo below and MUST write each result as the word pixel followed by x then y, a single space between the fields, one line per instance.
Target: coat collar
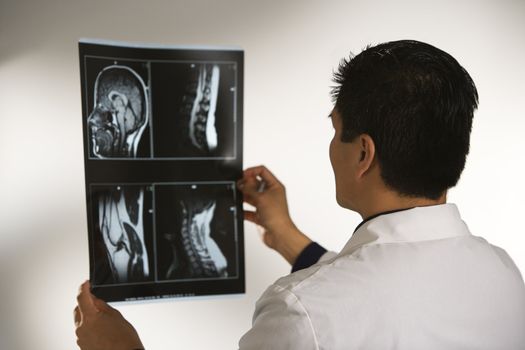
pixel 411 225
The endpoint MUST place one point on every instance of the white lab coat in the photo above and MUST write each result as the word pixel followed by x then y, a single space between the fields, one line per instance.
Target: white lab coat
pixel 414 279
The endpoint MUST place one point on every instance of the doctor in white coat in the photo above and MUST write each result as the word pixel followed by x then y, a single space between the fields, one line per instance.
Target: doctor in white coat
pixel 412 275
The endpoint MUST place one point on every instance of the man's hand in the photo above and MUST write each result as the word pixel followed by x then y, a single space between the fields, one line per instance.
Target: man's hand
pixel 267 194
pixel 101 327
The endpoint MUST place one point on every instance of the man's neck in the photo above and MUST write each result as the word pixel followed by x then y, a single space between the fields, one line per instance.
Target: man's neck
pixel 391 201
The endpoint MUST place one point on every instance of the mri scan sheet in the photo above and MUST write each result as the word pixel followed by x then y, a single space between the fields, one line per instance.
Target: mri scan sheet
pixel 162 131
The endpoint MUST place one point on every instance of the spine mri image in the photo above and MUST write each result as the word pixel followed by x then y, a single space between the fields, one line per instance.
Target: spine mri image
pixel 197 231
pixel 162 130
pixel 199 105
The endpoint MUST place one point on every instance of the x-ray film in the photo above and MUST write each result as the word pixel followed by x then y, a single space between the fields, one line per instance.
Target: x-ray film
pixel 162 149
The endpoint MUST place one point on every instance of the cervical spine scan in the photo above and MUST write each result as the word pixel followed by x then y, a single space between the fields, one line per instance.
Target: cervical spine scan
pixel 120 114
pixel 204 256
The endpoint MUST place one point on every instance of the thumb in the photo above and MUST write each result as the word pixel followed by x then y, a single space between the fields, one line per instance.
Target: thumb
pixel 85 300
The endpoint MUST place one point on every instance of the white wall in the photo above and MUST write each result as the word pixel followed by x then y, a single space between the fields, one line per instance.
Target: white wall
pixel 291 49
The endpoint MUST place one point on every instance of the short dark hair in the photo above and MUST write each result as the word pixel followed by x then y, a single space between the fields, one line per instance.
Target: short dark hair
pixel 417 103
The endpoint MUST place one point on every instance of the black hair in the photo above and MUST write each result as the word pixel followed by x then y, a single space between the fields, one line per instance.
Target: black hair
pixel 417 103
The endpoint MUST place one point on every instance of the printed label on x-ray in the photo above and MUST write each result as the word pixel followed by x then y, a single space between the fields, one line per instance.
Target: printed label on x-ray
pixel 163 149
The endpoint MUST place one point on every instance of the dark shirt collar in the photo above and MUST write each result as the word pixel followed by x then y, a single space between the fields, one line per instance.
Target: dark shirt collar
pixel 379 214
pixel 313 252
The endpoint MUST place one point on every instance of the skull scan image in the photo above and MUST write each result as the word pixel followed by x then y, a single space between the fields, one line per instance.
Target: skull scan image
pixel 199 105
pixel 120 113
pixel 204 255
pixel 120 220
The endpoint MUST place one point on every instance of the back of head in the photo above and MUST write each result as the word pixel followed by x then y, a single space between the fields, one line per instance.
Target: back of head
pixel 417 104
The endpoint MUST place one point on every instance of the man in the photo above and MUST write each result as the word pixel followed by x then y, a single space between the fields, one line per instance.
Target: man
pixel 411 276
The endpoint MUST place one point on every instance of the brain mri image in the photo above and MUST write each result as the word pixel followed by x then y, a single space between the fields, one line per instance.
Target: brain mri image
pixel 122 234
pixel 200 237
pixel 120 114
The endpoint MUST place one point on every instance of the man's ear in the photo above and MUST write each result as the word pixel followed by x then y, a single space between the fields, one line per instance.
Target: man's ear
pixel 367 151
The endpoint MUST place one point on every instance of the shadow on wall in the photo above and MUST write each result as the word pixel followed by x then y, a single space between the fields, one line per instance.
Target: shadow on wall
pixel 37 274
pixel 39 26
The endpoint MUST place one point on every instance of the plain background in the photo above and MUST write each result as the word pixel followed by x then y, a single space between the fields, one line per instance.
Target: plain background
pixel 291 49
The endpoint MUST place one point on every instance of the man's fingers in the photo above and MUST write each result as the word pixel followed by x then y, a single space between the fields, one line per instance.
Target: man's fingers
pixel 251 216
pixel 264 173
pixel 249 199
pixel 85 300
pixel 248 186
